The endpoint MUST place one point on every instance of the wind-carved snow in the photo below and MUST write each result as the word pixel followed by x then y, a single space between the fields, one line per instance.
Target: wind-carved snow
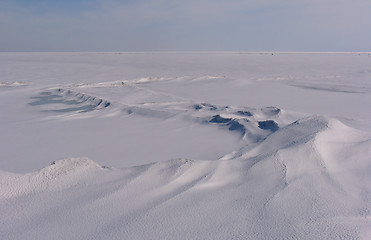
pixel 256 123
pixel 64 101
pixel 293 175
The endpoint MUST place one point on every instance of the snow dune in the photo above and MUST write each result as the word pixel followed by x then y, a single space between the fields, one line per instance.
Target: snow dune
pixel 214 155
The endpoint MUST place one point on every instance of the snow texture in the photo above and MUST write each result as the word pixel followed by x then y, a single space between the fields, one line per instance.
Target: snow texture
pixel 249 146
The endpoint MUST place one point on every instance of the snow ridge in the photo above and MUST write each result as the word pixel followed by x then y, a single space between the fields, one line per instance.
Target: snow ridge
pixel 64 101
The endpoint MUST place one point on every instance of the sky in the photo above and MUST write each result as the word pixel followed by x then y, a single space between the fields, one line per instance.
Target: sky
pixel 185 25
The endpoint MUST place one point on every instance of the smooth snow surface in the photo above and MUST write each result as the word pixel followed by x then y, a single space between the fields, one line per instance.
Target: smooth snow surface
pixel 185 146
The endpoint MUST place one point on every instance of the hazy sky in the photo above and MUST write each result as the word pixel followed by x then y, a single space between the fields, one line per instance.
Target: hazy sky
pixel 185 25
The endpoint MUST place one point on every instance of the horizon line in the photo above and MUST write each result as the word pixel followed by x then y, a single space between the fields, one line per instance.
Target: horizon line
pixel 212 52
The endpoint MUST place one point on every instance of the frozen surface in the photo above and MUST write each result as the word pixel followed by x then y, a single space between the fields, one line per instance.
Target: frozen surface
pixel 185 145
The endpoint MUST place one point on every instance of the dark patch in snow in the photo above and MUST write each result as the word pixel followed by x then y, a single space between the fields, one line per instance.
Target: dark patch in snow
pixel 233 124
pixel 197 107
pixel 268 125
pixel 244 113
pixel 219 119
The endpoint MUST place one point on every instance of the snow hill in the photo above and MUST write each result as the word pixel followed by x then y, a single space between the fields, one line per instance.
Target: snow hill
pixel 306 180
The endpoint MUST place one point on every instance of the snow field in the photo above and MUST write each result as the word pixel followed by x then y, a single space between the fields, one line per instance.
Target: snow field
pixel 237 150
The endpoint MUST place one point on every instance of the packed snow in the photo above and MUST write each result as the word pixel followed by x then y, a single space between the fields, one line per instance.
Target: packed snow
pixel 185 145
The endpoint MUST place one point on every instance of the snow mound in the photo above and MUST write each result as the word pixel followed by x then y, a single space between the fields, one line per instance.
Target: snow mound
pixel 68 166
pixel 62 174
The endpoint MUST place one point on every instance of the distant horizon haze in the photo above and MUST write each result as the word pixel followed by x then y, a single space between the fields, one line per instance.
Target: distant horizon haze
pixel 177 26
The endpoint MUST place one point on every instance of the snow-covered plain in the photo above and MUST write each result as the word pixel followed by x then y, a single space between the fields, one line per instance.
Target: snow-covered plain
pixel 185 145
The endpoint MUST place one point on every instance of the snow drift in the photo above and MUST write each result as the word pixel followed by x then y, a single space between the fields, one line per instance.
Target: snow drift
pixel 306 180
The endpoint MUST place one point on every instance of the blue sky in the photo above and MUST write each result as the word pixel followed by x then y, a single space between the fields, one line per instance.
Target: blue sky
pixel 193 25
